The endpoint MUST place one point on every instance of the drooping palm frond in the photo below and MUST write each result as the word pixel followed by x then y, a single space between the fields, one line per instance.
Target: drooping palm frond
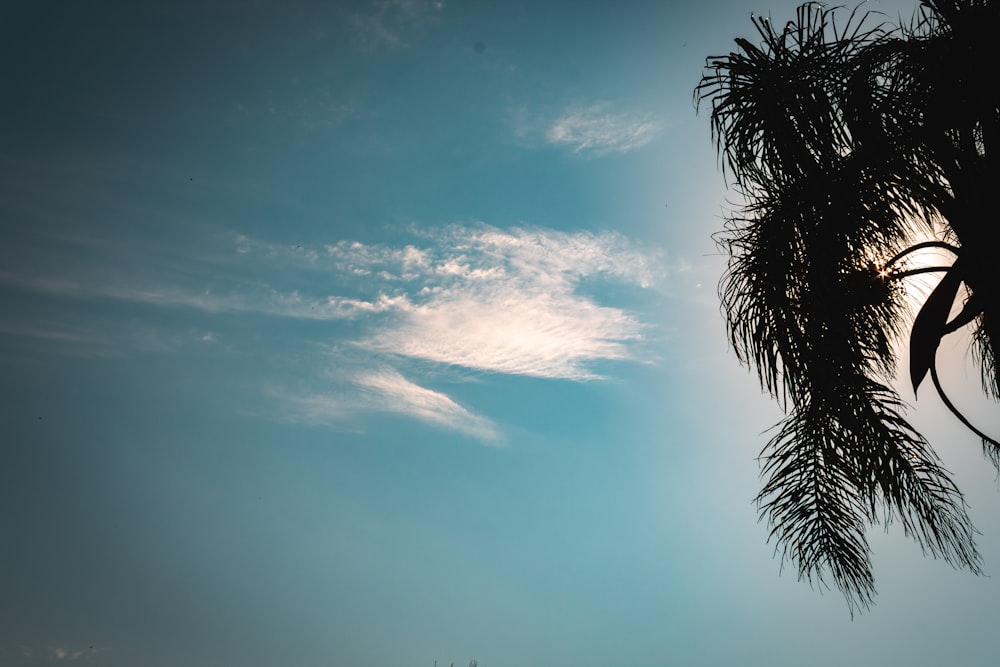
pixel 841 463
pixel 817 320
pixel 772 115
pixel 941 79
pixel 820 131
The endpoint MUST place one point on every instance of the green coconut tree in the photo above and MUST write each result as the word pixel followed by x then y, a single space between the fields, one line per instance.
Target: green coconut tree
pixel 856 146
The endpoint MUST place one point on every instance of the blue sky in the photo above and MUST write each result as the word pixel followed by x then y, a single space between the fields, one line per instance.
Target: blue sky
pixel 386 333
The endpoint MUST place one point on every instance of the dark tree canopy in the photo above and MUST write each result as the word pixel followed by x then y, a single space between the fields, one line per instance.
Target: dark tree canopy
pixel 851 139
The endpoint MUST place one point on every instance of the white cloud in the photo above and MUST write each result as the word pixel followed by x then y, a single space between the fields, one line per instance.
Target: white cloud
pixel 508 302
pixel 290 303
pixel 316 408
pixel 480 298
pixel 55 332
pixel 484 299
pixel 481 253
pixel 464 297
pixel 392 392
pixel 386 390
pixel 600 130
pixel 508 329
pixel 71 655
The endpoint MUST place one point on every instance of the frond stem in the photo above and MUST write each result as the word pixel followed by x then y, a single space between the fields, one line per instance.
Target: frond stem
pixel 948 404
pixel 921 246
pixel 915 272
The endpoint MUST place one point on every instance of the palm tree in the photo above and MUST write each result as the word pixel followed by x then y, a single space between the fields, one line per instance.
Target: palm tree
pixel 849 140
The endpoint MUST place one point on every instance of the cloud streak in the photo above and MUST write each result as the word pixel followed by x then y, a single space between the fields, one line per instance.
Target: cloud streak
pixel 60 654
pixel 390 391
pixel 599 130
pixel 478 298
pixel 503 301
pixel 385 390
pixel 454 299
pixel 390 24
pixel 503 329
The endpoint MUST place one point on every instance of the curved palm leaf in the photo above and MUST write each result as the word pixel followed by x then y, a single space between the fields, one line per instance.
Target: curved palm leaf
pixel 827 133
pixel 931 324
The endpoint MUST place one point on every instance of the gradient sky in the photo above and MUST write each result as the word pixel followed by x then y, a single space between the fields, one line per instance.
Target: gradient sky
pixel 383 333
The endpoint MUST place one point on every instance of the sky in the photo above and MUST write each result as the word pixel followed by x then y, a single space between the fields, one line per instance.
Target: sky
pixel 386 334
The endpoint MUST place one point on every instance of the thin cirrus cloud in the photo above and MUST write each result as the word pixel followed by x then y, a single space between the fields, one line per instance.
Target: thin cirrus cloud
pixel 452 300
pixel 503 301
pixel 390 391
pixel 506 329
pixel 385 390
pixel 478 298
pixel 391 24
pixel 600 130
pixel 72 655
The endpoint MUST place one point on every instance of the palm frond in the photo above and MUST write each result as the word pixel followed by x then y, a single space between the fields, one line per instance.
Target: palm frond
pixel 841 463
pixel 840 140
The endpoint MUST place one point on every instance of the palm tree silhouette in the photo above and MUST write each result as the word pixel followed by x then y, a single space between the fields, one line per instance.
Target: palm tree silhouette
pixel 849 140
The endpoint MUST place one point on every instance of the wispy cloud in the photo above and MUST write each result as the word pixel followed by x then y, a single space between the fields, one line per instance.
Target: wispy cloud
pixel 391 24
pixel 599 129
pixel 61 654
pixel 97 337
pixel 522 301
pixel 505 328
pixel 503 301
pixel 478 298
pixel 386 390
pixel 392 392
pixel 259 300
pixel 66 654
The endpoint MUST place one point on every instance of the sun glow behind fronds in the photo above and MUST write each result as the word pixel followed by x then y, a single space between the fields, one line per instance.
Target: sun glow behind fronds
pixel 917 268
pixel 828 129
